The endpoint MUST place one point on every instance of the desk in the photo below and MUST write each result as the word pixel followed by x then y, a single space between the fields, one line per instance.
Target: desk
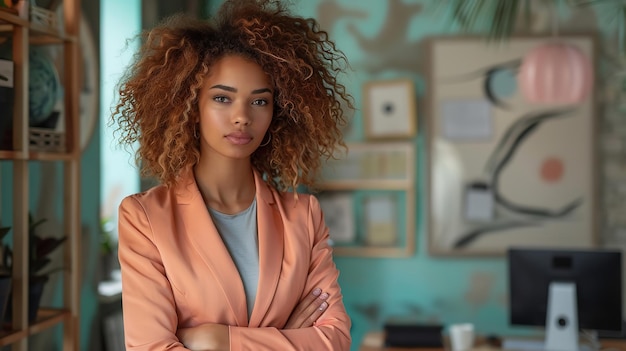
pixel 374 341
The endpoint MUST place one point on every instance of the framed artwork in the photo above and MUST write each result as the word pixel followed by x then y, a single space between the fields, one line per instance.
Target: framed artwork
pixel 381 216
pixel 338 211
pixel 504 172
pixel 389 109
pixel 372 184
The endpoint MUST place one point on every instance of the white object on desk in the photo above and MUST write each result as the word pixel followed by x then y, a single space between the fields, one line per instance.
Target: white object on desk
pixel 374 339
pixel 462 336
pixel 110 290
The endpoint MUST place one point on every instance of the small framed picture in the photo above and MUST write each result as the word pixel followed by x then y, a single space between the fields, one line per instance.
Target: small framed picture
pixel 389 109
pixel 338 215
pixel 380 214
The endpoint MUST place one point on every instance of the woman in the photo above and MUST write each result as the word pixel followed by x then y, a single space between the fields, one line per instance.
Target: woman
pixel 231 116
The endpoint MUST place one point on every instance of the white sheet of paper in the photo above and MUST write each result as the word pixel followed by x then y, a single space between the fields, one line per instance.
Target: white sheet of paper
pixel 466 120
pixel 479 204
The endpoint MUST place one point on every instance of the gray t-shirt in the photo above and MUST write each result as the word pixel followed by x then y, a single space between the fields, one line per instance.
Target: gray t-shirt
pixel 239 234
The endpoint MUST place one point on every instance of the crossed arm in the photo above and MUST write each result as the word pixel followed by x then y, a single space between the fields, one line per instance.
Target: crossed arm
pixel 215 337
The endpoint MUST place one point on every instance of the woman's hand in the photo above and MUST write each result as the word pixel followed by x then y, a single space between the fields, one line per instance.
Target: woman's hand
pixel 308 311
pixel 205 337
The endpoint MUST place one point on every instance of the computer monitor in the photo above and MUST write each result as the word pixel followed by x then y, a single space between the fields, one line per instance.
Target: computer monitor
pixel 565 290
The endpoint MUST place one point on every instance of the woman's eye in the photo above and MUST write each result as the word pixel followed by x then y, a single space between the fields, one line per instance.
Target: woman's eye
pixel 260 102
pixel 220 99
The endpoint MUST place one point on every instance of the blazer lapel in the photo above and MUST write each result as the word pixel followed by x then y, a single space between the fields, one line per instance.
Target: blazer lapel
pixel 270 234
pixel 208 243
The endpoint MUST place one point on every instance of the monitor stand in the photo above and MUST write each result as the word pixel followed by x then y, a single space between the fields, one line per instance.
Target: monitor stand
pixel 562 318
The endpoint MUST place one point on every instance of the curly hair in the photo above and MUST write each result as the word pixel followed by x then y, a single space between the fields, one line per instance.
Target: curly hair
pixel 158 106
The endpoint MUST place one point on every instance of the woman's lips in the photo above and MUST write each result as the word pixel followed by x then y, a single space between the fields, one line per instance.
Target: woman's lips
pixel 239 138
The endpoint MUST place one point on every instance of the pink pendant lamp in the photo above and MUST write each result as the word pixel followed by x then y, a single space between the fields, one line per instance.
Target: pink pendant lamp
pixel 556 73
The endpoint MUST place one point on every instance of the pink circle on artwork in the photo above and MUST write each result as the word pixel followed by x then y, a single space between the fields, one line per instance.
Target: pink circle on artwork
pixel 552 170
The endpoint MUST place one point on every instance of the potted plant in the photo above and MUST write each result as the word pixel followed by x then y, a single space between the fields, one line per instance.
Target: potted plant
pixel 5 272
pixel 107 249
pixel 39 250
pixel 4 265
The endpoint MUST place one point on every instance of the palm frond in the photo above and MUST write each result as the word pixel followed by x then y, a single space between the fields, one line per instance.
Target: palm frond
pixel 496 19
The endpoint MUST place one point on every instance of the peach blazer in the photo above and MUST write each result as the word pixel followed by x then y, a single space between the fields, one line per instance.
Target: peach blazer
pixel 177 272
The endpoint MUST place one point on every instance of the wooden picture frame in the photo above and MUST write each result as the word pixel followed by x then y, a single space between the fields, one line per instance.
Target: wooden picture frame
pixel 502 172
pixel 389 109
pixel 338 209
pixel 380 176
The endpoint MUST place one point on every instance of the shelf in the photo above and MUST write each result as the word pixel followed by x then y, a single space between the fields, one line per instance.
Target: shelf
pixel 11 18
pixel 364 251
pixel 46 318
pixel 34 156
pixel 39 34
pixel 12 155
pixel 7 338
pixel 44 37
pixel 377 184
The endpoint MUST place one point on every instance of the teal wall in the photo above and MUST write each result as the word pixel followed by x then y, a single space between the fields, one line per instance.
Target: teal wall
pixel 123 179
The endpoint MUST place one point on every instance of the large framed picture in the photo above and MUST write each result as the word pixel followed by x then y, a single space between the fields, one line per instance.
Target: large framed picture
pixel 389 109
pixel 504 172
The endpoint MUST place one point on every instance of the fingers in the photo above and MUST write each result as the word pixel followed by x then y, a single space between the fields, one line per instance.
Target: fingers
pixel 312 311
pixel 316 312
pixel 308 300
pixel 308 310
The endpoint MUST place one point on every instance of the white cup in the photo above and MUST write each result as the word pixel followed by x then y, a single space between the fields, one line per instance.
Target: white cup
pixel 462 336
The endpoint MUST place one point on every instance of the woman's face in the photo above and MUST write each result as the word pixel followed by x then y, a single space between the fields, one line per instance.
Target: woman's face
pixel 236 106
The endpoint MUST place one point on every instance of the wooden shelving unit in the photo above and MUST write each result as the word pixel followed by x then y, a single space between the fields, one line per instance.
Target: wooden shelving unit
pixel 373 167
pixel 25 35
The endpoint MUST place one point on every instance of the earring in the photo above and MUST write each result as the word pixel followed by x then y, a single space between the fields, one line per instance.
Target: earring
pixel 195 132
pixel 268 140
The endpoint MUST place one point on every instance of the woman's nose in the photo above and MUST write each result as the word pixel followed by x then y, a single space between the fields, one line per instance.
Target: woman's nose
pixel 241 115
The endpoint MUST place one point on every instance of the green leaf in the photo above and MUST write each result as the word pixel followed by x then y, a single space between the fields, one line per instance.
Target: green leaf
pixel 496 18
pixel 4 231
